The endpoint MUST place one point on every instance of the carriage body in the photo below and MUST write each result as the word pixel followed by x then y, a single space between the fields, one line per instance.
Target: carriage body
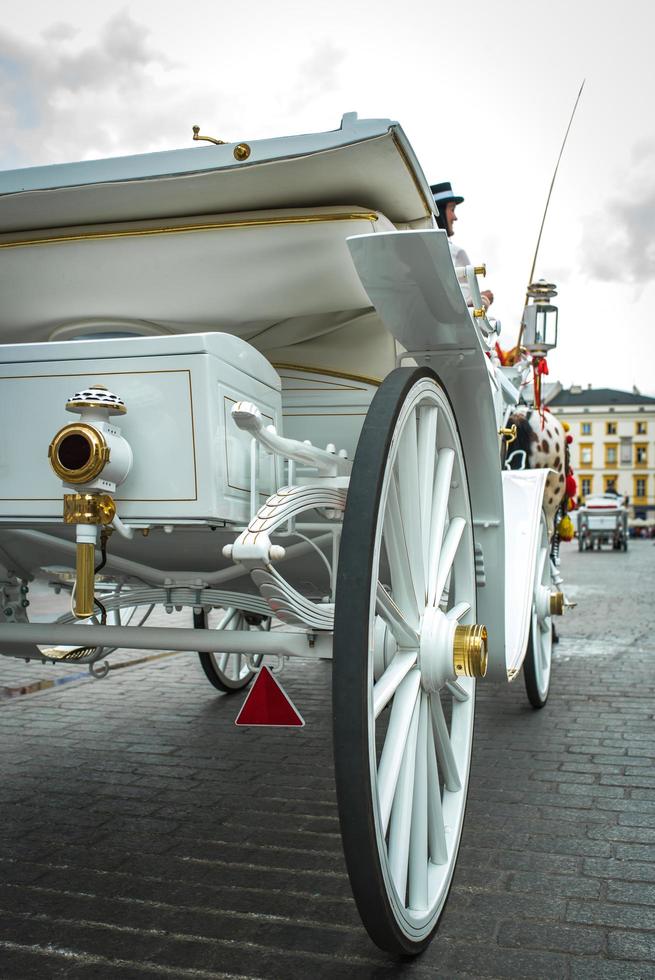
pixel 259 315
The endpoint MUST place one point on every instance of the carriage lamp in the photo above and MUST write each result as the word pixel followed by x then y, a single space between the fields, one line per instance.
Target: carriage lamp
pixel 92 458
pixel 540 318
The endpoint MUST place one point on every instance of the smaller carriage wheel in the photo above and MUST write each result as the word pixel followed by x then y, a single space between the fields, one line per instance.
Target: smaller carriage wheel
pixel 230 672
pixel 537 663
pixel 402 720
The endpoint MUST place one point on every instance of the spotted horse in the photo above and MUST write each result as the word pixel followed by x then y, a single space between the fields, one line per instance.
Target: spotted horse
pixel 538 445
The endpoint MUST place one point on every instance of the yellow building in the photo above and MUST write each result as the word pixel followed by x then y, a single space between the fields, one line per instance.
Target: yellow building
pixel 613 445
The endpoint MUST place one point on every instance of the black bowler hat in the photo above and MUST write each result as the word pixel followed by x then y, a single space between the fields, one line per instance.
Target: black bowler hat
pixel 444 193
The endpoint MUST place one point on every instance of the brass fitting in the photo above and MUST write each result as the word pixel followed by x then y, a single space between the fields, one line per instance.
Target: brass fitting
pixel 78 453
pixel 210 139
pixel 556 603
pixel 479 313
pixel 480 270
pixel 85 510
pixel 470 651
pixel 88 508
pixel 241 152
pixel 509 434
pixel 84 580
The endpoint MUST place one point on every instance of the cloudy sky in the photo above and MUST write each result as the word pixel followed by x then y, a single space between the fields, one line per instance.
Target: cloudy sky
pixel 484 90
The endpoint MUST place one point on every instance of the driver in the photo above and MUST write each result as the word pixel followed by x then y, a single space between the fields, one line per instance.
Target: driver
pixel 446 202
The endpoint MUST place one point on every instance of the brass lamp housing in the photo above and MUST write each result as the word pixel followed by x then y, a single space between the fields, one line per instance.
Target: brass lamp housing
pixel 78 453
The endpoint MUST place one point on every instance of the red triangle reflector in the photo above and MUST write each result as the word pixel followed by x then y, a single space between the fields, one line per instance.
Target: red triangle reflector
pixel 268 704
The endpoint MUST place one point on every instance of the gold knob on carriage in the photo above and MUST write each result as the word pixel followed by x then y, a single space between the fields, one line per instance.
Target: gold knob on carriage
pixel 241 152
pixel 470 651
pixel 556 603
pixel 480 270
pixel 478 313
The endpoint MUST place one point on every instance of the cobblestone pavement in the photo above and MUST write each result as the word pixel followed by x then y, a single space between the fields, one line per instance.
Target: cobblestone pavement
pixel 143 835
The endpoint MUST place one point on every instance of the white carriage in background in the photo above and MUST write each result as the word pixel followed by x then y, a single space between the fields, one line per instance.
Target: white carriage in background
pixel 312 439
pixel 603 520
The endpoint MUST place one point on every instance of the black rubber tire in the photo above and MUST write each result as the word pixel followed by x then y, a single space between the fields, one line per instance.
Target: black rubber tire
pixel 531 689
pixel 215 677
pixel 350 667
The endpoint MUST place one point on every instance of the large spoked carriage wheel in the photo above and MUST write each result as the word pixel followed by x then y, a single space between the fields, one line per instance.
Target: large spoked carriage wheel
pixel 403 723
pixel 537 663
pixel 230 672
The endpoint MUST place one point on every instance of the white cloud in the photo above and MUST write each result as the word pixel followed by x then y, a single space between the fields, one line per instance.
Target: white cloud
pixel 618 243
pixel 318 75
pixel 115 94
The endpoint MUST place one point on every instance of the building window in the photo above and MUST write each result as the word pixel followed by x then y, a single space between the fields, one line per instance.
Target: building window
pixel 626 451
pixel 640 488
pixel 585 428
pixel 641 454
pixel 610 453
pixel 610 483
pixel 641 428
pixel 610 428
pixel 586 454
pixel 586 485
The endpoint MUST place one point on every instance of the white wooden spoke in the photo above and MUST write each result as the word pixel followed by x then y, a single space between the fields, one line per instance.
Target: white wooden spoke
pixel 427 442
pixel 407 469
pixel 443 745
pixel 222 663
pixel 545 649
pixel 439 514
pixel 447 556
pixel 403 633
pixel 418 845
pixel 436 828
pixel 457 691
pixel 394 743
pixel 541 564
pixel 400 565
pixel 400 824
pixel 458 610
pixel 388 683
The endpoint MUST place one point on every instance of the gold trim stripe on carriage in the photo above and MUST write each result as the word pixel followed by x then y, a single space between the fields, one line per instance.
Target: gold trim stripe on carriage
pixel 189 229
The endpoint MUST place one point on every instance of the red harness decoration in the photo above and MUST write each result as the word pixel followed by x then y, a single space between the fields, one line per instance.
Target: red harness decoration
pixel 539 368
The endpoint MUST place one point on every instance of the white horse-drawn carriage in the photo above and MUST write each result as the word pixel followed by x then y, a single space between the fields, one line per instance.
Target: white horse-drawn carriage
pixel 603 520
pixel 245 378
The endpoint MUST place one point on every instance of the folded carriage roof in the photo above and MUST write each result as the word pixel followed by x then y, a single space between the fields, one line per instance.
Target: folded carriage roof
pixel 367 163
